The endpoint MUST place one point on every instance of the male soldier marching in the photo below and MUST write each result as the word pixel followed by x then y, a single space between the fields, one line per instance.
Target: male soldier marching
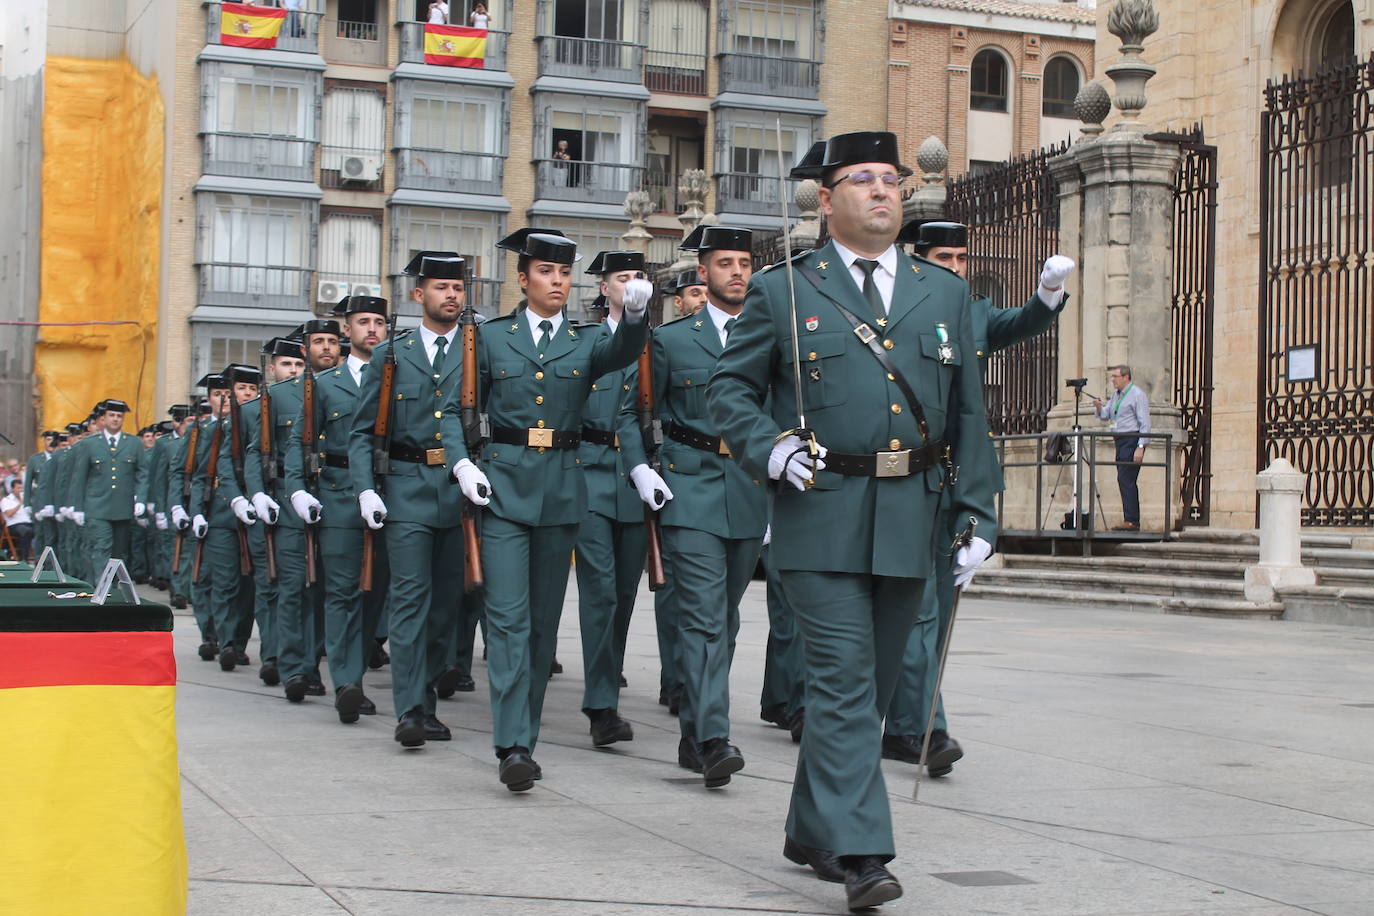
pixel 890 386
pixel 37 490
pixel 713 528
pixel 104 488
pixel 181 497
pixel 140 535
pixel 159 479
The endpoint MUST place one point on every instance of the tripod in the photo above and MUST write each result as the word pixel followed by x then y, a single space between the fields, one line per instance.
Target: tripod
pixel 1077 518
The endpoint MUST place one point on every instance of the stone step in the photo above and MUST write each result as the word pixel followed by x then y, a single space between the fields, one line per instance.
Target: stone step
pixel 1127 565
pixel 1243 554
pixel 1159 604
pixel 1038 580
pixel 1250 537
pixel 1329 604
pixel 1344 577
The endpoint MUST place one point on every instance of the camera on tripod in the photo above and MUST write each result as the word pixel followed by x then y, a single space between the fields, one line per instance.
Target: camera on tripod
pixel 1076 384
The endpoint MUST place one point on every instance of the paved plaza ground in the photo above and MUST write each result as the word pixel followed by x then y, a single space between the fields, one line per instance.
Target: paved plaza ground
pixel 1116 763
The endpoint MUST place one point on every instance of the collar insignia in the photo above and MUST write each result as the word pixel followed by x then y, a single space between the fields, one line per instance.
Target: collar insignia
pixel 882 322
pixel 822 265
pixel 697 325
pixel 915 269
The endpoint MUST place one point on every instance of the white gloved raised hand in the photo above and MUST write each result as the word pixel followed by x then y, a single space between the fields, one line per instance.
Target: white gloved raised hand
pixel 637 294
pixel 45 512
pixel 472 482
pixel 652 488
pixel 79 518
pixel 1056 270
pixel 179 518
pixel 790 458
pixel 968 559
pixel 266 507
pixel 199 526
pixel 140 510
pixel 372 508
pixel 243 510
pixel 160 519
pixel 306 506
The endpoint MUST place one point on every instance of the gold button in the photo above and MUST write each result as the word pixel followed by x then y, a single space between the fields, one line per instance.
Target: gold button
pixel 539 374
pixel 289 422
pixel 626 387
pixel 672 467
pixel 811 356
pixel 896 408
pixel 336 413
pixel 594 388
pixel 689 383
pixel 577 372
pixel 438 394
pixel 888 345
pixel 321 437
pixel 990 434
pixel 891 377
pixel 895 445
pixel 979 352
pixel 438 414
pixel 438 435
pixel 577 461
pixel 400 397
pixel 540 424
pixel 540 449
pixel 539 399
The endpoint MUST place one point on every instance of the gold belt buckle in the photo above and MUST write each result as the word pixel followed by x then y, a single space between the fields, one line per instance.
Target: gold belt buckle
pixel 540 438
pixel 724 449
pixel 435 456
pixel 893 464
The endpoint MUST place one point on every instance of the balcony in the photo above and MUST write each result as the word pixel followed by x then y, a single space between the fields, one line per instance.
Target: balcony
pixel 483 293
pixel 590 58
pixel 671 71
pixel 440 170
pixel 249 286
pixel 756 74
pixel 413 46
pixel 300 31
pixel 348 42
pixel 254 156
pixel 662 189
pixel 754 194
pixel 585 182
pixel 351 169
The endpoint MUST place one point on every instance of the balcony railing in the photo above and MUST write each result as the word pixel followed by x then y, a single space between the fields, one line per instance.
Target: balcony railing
pixel 753 194
pixel 671 71
pixel 356 31
pixel 246 285
pixel 253 156
pixel 299 32
pixel 761 75
pixel 439 170
pixel 483 293
pixel 588 182
pixel 662 189
pixel 590 58
pixel 413 45
pixel 352 169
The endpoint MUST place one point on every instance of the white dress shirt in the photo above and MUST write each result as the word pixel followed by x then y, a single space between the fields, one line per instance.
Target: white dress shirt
pixel 718 318
pixel 427 338
pixel 885 277
pixel 112 440
pixel 355 368
pixel 535 333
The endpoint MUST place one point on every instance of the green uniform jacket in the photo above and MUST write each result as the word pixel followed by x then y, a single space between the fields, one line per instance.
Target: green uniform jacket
pixel 336 398
pixel 284 400
pixel 104 480
pixel 36 481
pixel 521 390
pixel 159 472
pixel 143 492
pixel 845 524
pixel 219 514
pixel 610 407
pixel 176 466
pixel 711 492
pixel 413 492
pixel 58 483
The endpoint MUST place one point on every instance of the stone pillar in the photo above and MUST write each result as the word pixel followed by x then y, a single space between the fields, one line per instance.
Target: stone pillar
pixel 928 201
pixel 806 234
pixel 639 206
pixel 1280 489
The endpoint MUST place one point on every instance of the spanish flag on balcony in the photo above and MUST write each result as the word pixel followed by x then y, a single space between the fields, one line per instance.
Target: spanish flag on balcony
pixel 92 819
pixel 455 46
pixel 250 26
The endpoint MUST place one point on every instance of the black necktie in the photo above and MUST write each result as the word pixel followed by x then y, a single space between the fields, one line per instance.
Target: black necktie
pixel 870 290
pixel 729 326
pixel 547 327
pixel 440 343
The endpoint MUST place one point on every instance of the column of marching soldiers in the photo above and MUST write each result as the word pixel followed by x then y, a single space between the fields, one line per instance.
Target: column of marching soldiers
pixel 339 506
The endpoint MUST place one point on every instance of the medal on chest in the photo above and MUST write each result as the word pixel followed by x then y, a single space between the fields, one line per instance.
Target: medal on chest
pixel 946 351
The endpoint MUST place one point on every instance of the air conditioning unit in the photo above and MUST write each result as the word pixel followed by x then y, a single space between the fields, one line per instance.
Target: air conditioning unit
pixel 360 168
pixel 331 291
pixel 366 289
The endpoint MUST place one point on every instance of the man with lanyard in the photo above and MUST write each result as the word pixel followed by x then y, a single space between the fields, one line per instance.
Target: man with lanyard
pixel 104 489
pixel 208 413
pixel 333 507
pixel 37 485
pixel 713 526
pixel 881 349
pixel 413 503
pixel 994 329
pixel 1129 412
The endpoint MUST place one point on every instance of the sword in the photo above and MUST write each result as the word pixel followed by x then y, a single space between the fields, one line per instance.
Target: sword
pixel 802 432
pixel 962 539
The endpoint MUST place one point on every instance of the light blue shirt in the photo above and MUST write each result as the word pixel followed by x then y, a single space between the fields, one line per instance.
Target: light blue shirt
pixel 1129 411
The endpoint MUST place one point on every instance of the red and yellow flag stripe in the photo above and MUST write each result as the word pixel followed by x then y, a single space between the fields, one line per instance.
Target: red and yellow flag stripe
pixel 250 26
pixel 455 46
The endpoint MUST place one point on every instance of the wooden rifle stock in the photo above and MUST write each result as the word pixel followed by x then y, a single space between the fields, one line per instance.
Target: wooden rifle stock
pixel 188 469
pixel 311 463
pixel 267 449
pixel 473 435
pixel 236 468
pixel 369 558
pixel 381 446
pixel 653 437
pixel 211 471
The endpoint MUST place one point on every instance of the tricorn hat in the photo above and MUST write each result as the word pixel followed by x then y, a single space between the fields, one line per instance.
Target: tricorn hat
pixel 179 412
pixel 114 404
pixel 212 380
pixel 437 265
pixel 849 149
pixel 163 426
pixel 283 346
pixel 236 373
pixel 934 234
pixel 202 408
pixel 686 278
pixel 318 326
pixel 542 245
pixel 59 438
pixel 718 238
pixel 354 305
pixel 609 262
pixel 76 429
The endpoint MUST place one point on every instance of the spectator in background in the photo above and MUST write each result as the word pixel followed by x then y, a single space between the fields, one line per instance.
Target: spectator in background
pixel 12 470
pixel 18 518
pixel 438 12
pixel 478 18
pixel 1129 413
pixel 293 18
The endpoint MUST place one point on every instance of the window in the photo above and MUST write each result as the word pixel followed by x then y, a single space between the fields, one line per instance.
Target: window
pixel 255 248
pixel 988 81
pixel 358 19
pixel 774 28
pixel 351 248
pixel 588 148
pixel 259 121
pixel 456 118
pixel 748 150
pixel 598 19
pixel 1059 88
pixel 450 137
pixel 471 233
pixel 354 126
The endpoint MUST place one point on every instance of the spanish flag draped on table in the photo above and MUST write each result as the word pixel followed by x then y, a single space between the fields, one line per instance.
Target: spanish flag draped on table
pixel 455 46
pixel 92 819
pixel 250 26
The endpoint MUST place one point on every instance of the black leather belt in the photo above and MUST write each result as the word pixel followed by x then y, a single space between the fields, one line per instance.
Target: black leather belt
pixel 687 436
pixel 427 456
pixel 537 437
pixel 901 463
pixel 334 461
pixel 600 437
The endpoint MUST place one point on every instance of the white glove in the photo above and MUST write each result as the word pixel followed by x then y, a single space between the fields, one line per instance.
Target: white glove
pixel 179 518
pixel 1056 271
pixel 650 485
pixel 243 510
pixel 266 507
pixel 306 506
pixel 79 518
pixel 161 521
pixel 142 522
pixel 45 512
pixel 767 535
pixel 472 482
pixel 797 465
pixel 637 293
pixel 968 559
pixel 140 510
pixel 65 513
pixel 373 509
pixel 199 526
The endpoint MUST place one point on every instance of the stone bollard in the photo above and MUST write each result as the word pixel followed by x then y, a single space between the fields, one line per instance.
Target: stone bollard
pixel 1280 489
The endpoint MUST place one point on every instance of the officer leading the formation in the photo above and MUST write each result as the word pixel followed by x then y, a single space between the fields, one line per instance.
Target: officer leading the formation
pixel 104 487
pixel 891 391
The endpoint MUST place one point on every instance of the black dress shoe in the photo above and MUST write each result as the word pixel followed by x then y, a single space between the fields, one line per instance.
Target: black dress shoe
pixel 436 730
pixel 797 724
pixel 140 579
pixel 623 682
pixel 719 759
pixel 675 700
pixel 410 730
pixel 518 769
pixel 557 667
pixel 269 673
pixel 367 707
pixel 180 603
pixel 689 755
pixel 296 687
pixel 940 757
pixel 227 659
pixel 241 657
pixel 208 650
pixel 465 684
pixel 347 702
pixel 663 698
pixel 608 727
pixel 821 861
pixel 775 714
pixel 447 682
pixel 867 882
pixel 378 657
pixel 315 689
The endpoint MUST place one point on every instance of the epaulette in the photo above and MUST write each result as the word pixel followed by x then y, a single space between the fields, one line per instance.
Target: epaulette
pixel 403 333
pixel 924 262
pixel 680 319
pixel 285 381
pixel 795 257
pixel 585 324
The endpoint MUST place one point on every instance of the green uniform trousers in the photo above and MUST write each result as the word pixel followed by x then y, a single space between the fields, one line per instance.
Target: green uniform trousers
pixel 105 540
pixel 202 599
pixel 138 550
pixel 231 593
pixel 471 614
pixel 376 603
pixel 297 610
pixel 180 579
pixel 163 543
pixel 854 630
pixel 526 570
pixel 784 682
pixel 712 573
pixel 44 535
pixel 910 706
pixel 426 580
pixel 345 644
pixel 264 592
pixel 665 622
pixel 610 563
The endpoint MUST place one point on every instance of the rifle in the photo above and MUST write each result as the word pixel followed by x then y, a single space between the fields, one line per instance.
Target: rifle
pixel 311 461
pixel 381 448
pixel 188 470
pixel 236 466
pixel 651 428
pixel 267 450
pixel 211 469
pixel 476 432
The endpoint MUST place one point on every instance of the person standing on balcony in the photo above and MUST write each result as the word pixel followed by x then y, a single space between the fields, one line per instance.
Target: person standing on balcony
pixel 478 18
pixel 438 12
pixel 1129 413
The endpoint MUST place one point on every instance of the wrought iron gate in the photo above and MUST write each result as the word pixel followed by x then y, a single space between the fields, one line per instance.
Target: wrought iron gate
pixel 1316 327
pixel 1012 212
